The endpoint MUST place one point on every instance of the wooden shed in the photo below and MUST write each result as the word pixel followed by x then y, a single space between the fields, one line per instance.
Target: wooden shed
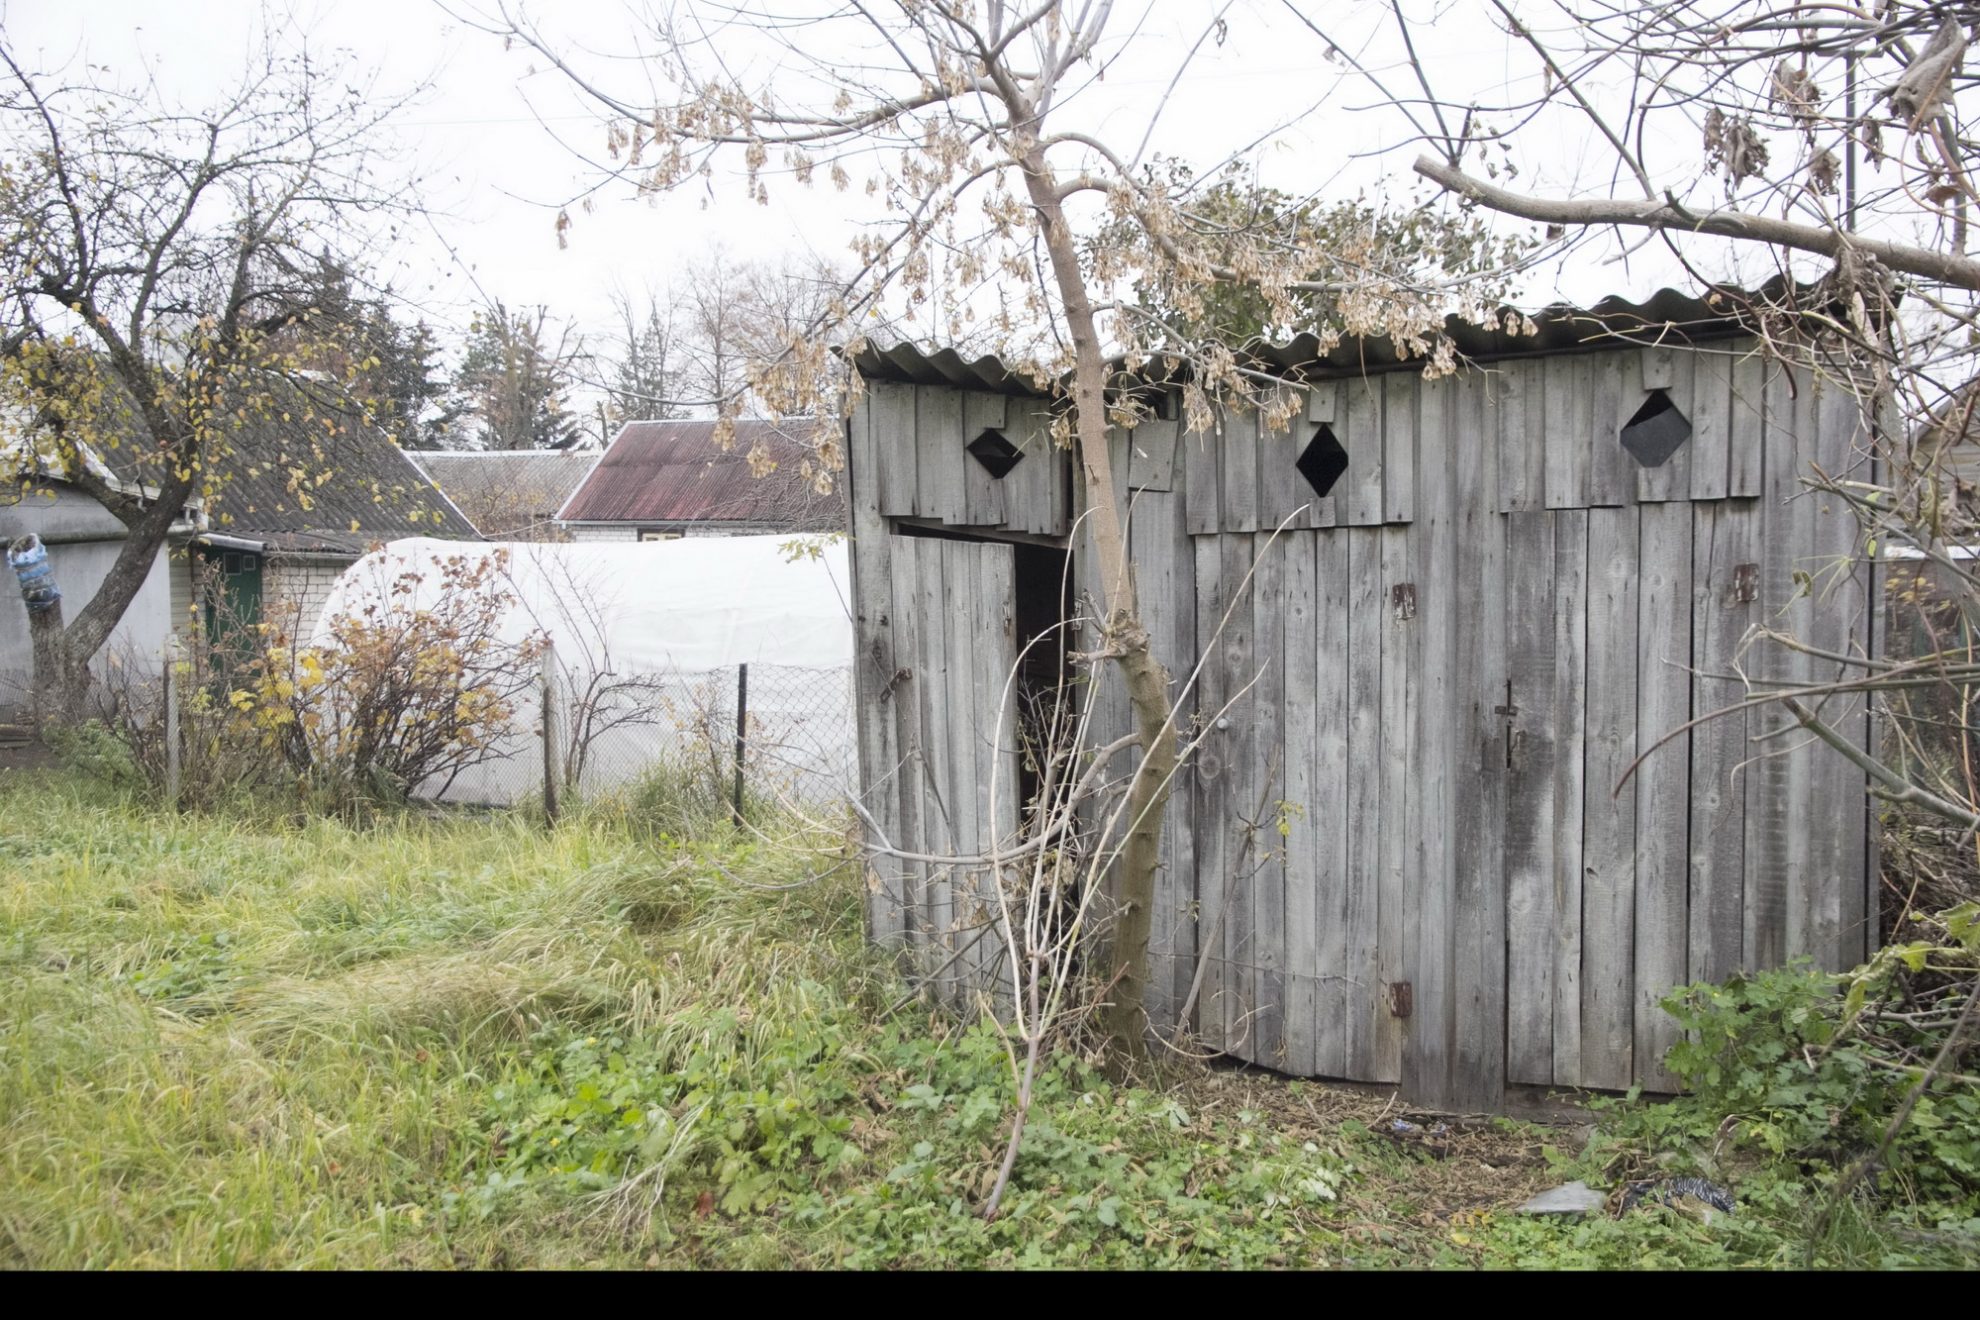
pixel 1491 591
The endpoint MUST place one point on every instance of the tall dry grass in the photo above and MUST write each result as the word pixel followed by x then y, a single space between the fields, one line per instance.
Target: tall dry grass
pixel 234 1040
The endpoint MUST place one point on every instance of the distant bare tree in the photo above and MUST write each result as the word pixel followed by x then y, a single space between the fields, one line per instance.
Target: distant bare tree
pixel 737 313
pixel 643 357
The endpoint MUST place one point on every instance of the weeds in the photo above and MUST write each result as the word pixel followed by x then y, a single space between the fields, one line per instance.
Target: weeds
pixel 243 1039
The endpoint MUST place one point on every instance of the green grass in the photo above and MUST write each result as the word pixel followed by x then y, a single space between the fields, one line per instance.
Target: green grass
pixel 226 1042
pixel 236 1040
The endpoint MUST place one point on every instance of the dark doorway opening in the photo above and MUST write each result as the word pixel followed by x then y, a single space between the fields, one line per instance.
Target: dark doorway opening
pixel 1047 706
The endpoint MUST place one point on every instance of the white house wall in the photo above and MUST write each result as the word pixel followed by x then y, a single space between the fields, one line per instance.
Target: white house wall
pixel 80 568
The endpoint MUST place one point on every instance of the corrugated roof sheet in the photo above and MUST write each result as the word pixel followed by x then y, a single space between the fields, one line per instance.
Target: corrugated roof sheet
pixel 506 491
pixel 1560 328
pixel 326 483
pixel 303 471
pixel 944 366
pixel 674 472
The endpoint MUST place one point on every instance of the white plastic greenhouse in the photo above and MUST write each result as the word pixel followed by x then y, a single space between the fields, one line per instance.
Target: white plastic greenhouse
pixel 651 641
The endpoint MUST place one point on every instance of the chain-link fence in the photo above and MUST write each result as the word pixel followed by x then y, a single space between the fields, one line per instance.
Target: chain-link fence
pixel 735 741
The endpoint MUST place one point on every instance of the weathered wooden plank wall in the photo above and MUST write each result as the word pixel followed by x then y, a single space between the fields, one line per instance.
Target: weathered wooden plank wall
pixel 941 473
pixel 1308 826
pixel 897 437
pixel 900 707
pixel 1405 849
pixel 1238 447
pixel 983 494
pixel 1359 495
pixel 1841 932
pixel 1036 495
pixel 1368 626
pixel 1668 370
pixel 1165 580
pixel 1340 1003
pixel 1608 890
pixel 930 689
pixel 1431 958
pixel 1725 592
pixel 1210 777
pixel 1152 454
pixel 1570 732
pixel 1769 783
pixel 1662 779
pixel 941 716
pixel 874 667
pixel 1537 896
pixel 1265 731
pixel 1236 734
pixel 1478 770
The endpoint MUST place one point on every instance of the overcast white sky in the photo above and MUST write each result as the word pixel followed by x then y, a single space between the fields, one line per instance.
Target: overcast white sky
pixel 501 147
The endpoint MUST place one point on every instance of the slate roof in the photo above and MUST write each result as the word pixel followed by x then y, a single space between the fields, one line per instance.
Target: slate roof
pixel 330 484
pixel 308 475
pixel 507 492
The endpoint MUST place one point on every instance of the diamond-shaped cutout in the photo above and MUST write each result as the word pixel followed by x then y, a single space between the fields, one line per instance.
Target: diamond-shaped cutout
pixel 1323 461
pixel 1657 431
pixel 997 454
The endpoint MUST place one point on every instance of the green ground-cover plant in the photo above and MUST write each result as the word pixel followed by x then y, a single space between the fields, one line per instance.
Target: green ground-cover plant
pixel 253 1038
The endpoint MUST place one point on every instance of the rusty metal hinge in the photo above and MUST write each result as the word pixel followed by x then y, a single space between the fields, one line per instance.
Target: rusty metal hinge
pixel 1403 596
pixel 1402 999
pixel 1510 712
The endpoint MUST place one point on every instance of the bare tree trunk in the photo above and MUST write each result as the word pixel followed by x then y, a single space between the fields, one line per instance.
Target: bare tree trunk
pixel 1125 639
pixel 55 690
pixel 145 538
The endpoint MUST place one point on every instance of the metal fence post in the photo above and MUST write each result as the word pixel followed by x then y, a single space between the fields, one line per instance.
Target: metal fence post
pixel 549 726
pixel 742 726
pixel 171 716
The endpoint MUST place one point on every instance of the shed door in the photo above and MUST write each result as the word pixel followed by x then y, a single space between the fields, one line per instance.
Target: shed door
pixel 1729 845
pixel 1600 618
pixel 954 716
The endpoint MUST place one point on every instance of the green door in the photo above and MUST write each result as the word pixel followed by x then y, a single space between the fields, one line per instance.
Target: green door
pixel 232 583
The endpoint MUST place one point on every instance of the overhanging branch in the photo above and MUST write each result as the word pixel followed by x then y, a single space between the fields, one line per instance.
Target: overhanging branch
pixel 1942 267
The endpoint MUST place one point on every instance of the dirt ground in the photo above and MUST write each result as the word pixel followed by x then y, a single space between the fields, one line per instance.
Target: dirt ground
pixel 22 753
pixel 1480 1165
pixel 24 756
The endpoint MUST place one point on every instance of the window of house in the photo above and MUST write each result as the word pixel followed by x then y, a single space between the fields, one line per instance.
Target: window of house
pixel 655 534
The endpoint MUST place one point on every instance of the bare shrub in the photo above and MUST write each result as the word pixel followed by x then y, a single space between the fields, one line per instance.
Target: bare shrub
pixel 416 686
pixel 124 738
pixel 380 702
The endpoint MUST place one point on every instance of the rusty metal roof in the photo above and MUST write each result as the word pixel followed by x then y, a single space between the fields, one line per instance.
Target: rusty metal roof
pixel 1560 328
pixel 674 472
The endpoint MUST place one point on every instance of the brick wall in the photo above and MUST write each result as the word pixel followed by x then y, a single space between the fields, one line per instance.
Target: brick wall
pixel 301 584
pixel 623 532
pixel 626 532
